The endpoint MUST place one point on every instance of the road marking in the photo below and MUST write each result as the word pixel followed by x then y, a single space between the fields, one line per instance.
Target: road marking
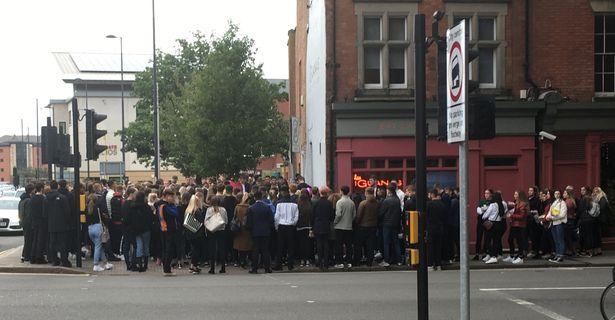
pixel 42 274
pixel 310 301
pixel 540 289
pixel 544 311
pixel 9 251
pixel 293 286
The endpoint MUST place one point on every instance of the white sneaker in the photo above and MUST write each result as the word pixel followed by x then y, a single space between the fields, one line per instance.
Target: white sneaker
pixel 508 259
pixel 384 264
pixel 487 257
pixel 339 266
pixel 378 255
pixel 518 261
pixel 492 260
pixel 349 266
pixel 98 268
pixel 108 266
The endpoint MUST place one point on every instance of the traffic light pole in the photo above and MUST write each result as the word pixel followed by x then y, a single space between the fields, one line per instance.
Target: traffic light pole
pixel 421 155
pixel 49 161
pixel 77 180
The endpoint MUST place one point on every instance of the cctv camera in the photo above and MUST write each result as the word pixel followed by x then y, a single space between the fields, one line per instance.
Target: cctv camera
pixel 438 15
pixel 544 134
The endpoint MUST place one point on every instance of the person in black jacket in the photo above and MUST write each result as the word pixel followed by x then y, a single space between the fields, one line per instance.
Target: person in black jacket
pixel 535 229
pixel 25 219
pixel 138 222
pixel 171 228
pixel 39 225
pixel 323 215
pixel 73 246
pixel 196 239
pixel 260 223
pixel 58 217
pixel 128 244
pixel 436 215
pixel 390 215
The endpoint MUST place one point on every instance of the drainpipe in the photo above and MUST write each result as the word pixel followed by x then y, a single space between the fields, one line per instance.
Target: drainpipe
pixel 333 98
pixel 528 79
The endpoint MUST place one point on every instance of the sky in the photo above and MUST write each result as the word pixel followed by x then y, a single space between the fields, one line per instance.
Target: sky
pixel 32 29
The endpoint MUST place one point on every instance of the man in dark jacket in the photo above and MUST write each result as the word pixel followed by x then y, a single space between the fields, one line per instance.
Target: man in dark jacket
pixel 128 237
pixel 73 246
pixel 436 215
pixel 390 215
pixel 58 217
pixel 260 223
pixel 25 219
pixel 323 215
pixel 367 221
pixel 39 225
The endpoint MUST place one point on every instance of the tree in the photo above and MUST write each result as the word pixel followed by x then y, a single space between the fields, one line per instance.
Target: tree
pixel 217 112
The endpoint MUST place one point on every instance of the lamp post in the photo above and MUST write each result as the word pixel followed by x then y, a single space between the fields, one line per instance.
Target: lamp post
pixel 155 99
pixel 123 138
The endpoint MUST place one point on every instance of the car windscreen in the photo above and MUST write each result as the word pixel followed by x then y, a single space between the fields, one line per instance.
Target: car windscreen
pixel 8 204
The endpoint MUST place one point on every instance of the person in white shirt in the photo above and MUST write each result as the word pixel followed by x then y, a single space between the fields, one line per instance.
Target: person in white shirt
pixel 286 217
pixel 495 227
pixel 558 214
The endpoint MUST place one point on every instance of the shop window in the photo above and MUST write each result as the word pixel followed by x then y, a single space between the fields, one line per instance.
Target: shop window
pixel 396 163
pixel 449 162
pixel 359 163
pixel 410 163
pixel 377 163
pixel 383 179
pixel 432 162
pixel 500 161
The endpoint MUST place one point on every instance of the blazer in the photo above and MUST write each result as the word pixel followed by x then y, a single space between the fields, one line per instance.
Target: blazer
pixel 260 220
pixel 322 216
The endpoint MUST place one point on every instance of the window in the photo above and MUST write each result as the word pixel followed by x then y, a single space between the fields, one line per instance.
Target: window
pixel 383 45
pixel 485 24
pixel 396 163
pixel 500 161
pixel 432 162
pixel 62 127
pixel 604 49
pixel 449 162
pixel 377 163
pixel 359 164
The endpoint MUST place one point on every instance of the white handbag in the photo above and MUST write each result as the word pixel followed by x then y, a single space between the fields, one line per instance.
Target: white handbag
pixel 214 223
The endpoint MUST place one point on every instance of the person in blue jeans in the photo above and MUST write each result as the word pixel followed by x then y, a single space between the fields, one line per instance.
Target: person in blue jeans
pixel 95 220
pixel 558 214
pixel 390 216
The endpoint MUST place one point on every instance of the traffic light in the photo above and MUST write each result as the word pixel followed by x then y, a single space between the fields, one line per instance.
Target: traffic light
pixel 93 149
pixel 15 178
pixel 62 156
pixel 481 118
pixel 49 138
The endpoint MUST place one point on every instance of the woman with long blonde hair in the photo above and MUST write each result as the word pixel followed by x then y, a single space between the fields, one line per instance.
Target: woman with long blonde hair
pixel 216 238
pixel 599 198
pixel 194 211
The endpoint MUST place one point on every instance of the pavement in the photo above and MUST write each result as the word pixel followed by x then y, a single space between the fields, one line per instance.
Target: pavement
pixel 10 261
pixel 560 294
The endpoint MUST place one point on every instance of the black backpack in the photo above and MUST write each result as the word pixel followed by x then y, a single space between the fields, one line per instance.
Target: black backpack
pixel 116 208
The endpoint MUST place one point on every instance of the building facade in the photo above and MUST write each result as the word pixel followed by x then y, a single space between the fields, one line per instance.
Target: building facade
pixel 22 153
pixel 545 73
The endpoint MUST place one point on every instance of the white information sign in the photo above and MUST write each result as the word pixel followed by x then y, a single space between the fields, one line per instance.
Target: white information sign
pixel 456 83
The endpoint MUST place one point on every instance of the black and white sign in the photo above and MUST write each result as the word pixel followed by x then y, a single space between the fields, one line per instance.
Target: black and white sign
pixel 295 134
pixel 456 83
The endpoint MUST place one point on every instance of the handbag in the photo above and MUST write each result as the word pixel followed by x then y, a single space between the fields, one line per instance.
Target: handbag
pixel 191 223
pixel 214 223
pixel 236 225
pixel 487 224
pixel 104 234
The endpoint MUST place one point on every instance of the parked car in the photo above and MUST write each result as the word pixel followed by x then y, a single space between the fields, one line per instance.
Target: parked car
pixel 9 194
pixel 9 215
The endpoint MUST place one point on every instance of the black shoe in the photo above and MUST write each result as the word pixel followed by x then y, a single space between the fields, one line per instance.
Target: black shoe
pixel 56 263
pixel 476 258
pixel 212 271
pixel 269 271
pixel 290 268
pixel 114 258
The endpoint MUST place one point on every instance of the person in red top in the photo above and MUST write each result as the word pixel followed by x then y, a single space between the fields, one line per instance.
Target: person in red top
pixel 519 210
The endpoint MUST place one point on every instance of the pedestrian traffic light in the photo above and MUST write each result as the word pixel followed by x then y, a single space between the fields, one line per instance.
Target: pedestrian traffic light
pixel 15 178
pixel 481 118
pixel 49 138
pixel 93 149
pixel 62 155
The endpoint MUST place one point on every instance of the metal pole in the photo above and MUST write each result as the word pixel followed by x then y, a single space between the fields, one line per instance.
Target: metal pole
pixel 464 265
pixel 77 179
pixel 123 127
pixel 38 156
pixel 155 100
pixel 421 155
pixel 49 161
pixel 86 108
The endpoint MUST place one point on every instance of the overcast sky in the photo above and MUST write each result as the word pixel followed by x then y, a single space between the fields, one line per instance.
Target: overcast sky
pixel 32 29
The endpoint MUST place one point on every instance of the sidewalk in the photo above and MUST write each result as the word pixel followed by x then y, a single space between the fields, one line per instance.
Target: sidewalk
pixel 10 263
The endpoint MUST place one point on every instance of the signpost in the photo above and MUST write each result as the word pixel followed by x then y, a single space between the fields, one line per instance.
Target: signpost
pixel 457 132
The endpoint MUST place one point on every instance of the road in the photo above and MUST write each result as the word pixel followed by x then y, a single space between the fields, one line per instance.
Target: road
pixel 9 241
pixel 558 294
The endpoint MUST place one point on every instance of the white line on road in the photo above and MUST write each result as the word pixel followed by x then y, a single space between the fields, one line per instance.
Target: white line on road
pixel 537 308
pixel 541 289
pixel 9 251
pixel 42 274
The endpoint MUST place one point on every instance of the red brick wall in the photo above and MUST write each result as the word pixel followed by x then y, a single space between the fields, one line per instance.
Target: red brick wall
pixel 5 164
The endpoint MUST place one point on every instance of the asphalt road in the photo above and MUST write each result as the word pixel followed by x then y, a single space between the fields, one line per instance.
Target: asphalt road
pixel 9 241
pixel 559 294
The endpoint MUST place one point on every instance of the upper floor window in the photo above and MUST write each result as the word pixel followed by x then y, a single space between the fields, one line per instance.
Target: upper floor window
pixel 384 37
pixel 604 50
pixel 485 26
pixel 62 127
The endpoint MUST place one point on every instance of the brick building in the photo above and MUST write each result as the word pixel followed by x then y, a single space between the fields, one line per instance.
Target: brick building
pixel 549 65
pixel 18 152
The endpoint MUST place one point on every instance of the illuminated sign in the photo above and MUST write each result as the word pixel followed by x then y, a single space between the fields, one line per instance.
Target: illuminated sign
pixel 361 183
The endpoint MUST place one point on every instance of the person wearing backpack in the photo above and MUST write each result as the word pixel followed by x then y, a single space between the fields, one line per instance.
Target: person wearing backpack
pixel 25 219
pixel 602 217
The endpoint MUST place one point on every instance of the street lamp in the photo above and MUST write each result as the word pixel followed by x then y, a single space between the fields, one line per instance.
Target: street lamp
pixel 123 138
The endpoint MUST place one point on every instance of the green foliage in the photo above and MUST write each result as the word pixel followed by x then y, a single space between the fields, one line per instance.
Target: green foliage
pixel 217 112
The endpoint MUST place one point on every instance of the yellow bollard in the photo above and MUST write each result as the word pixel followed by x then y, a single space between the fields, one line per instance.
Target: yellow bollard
pixel 82 203
pixel 414 227
pixel 414 257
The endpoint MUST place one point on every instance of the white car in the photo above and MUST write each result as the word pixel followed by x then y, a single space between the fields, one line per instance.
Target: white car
pixel 9 215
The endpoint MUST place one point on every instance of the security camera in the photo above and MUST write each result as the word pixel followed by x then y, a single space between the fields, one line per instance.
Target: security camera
pixel 544 134
pixel 438 15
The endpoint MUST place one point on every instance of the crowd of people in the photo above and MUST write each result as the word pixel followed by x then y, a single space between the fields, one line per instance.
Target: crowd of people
pixel 269 223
